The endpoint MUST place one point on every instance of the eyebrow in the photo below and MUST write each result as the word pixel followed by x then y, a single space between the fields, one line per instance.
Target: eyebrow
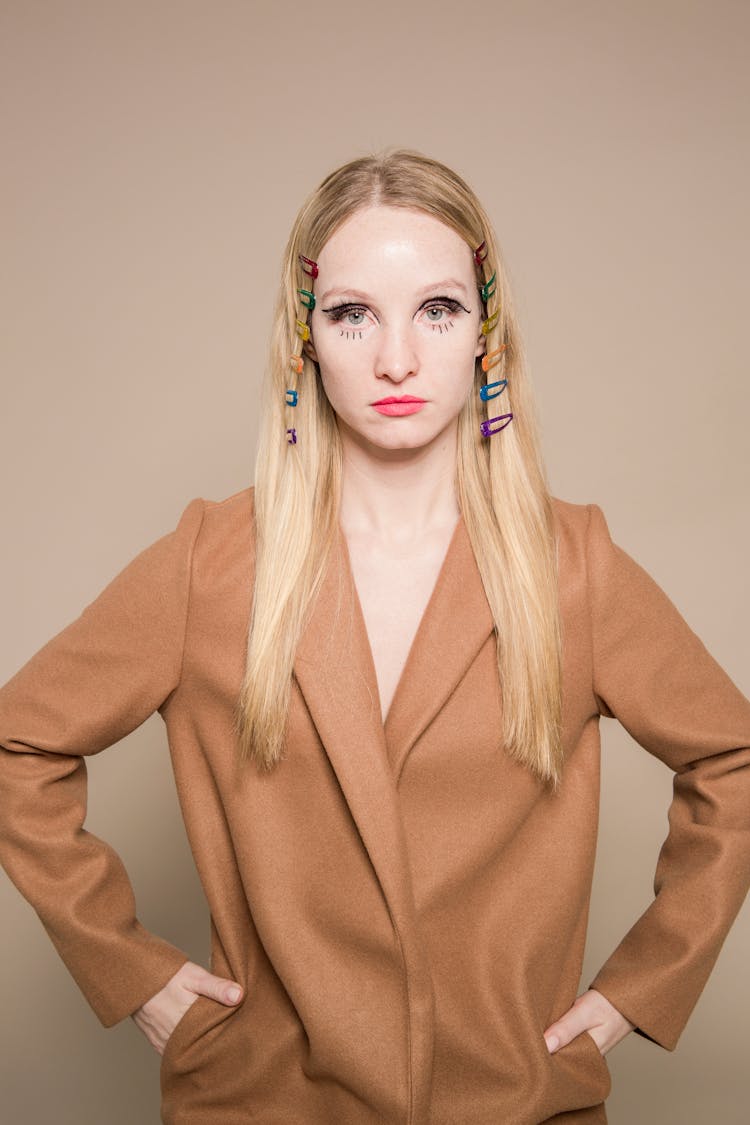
pixel 359 294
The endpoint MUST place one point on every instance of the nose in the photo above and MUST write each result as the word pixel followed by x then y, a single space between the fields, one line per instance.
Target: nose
pixel 397 357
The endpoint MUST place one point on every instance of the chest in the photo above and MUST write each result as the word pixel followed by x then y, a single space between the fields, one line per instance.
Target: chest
pixel 394 591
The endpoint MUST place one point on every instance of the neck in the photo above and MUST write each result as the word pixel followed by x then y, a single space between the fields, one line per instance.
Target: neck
pixel 398 495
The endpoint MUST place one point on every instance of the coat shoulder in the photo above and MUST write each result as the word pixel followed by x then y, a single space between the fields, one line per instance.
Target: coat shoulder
pixel 231 515
pixel 237 504
pixel 571 521
pixel 227 536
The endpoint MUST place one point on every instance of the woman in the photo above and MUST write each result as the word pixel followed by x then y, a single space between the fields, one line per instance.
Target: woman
pixel 382 670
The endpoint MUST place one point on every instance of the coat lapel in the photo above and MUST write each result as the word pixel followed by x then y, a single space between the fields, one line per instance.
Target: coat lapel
pixel 336 673
pixel 455 625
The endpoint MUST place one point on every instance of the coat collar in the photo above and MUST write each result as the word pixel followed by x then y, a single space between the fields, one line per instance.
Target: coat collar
pixel 336 673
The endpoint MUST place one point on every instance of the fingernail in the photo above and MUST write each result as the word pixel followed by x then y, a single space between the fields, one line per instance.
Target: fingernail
pixel 233 994
pixel 553 1043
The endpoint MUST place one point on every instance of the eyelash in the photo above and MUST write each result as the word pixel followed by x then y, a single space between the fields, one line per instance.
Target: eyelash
pixel 337 312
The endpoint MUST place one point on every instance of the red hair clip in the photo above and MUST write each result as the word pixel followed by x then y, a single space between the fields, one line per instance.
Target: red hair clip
pixel 481 252
pixel 308 266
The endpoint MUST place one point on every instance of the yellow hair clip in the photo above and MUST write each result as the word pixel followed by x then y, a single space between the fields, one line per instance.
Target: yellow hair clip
pixel 303 330
pixel 490 322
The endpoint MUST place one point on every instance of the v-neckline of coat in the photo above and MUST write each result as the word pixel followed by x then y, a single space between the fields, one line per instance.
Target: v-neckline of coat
pixel 422 625
pixel 335 672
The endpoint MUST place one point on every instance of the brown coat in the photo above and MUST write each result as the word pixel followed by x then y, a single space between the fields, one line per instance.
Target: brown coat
pixel 405 907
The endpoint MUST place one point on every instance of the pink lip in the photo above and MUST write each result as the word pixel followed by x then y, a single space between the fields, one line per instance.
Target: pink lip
pixel 397 398
pixel 396 406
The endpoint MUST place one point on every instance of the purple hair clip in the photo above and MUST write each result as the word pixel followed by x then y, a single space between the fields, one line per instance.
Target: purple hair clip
pixel 486 426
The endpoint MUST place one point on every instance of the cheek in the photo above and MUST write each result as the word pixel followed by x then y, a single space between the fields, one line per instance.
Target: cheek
pixel 339 380
pixel 451 357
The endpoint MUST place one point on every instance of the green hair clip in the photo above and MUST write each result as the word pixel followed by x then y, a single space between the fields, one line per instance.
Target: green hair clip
pixel 487 290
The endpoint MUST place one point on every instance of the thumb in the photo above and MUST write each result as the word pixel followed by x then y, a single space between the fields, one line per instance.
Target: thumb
pixel 219 988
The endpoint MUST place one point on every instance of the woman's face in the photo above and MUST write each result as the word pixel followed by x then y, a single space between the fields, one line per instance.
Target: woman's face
pixel 398 316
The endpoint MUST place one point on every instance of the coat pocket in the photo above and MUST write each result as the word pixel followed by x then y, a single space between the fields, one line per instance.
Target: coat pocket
pixel 194 1038
pixel 585 1043
pixel 182 1032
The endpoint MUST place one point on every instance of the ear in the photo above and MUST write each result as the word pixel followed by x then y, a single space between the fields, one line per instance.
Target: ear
pixel 481 348
pixel 308 349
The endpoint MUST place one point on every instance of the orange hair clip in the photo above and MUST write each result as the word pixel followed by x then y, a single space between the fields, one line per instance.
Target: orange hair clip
pixel 491 358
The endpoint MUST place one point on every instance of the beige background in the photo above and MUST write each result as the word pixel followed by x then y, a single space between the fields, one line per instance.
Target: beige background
pixel 154 155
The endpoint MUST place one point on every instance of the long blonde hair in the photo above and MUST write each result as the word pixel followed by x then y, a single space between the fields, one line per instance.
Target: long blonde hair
pixel 501 485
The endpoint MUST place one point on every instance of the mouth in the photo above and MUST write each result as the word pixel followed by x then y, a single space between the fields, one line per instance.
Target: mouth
pixel 394 398
pixel 397 406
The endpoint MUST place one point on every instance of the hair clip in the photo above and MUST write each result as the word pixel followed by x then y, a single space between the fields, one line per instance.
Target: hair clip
pixel 303 330
pixel 484 392
pixel 291 397
pixel 308 266
pixel 292 439
pixel 488 289
pixel 491 358
pixel 307 298
pixel 486 426
pixel 297 363
pixel 490 322
pixel 481 252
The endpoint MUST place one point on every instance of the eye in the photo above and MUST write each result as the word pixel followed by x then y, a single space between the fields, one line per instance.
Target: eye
pixel 343 313
pixel 445 307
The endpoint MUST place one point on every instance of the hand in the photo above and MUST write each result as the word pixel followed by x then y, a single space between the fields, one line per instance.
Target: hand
pixel 590 1012
pixel 159 1016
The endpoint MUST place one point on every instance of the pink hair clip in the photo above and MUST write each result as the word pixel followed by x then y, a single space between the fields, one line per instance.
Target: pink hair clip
pixel 308 266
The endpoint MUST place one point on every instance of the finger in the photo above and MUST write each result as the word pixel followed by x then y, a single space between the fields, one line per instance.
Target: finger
pixel 560 1033
pixel 221 989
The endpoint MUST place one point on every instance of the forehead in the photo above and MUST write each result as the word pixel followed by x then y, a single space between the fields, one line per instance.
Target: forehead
pixel 384 238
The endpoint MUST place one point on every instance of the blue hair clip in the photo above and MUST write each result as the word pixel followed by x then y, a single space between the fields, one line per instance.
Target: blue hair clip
pixel 291 397
pixel 484 392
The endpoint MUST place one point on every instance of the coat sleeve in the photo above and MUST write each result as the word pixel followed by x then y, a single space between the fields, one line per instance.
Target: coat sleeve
pixel 89 686
pixel 653 674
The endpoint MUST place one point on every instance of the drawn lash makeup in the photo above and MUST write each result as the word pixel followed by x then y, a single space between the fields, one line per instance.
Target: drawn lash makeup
pixel 336 313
